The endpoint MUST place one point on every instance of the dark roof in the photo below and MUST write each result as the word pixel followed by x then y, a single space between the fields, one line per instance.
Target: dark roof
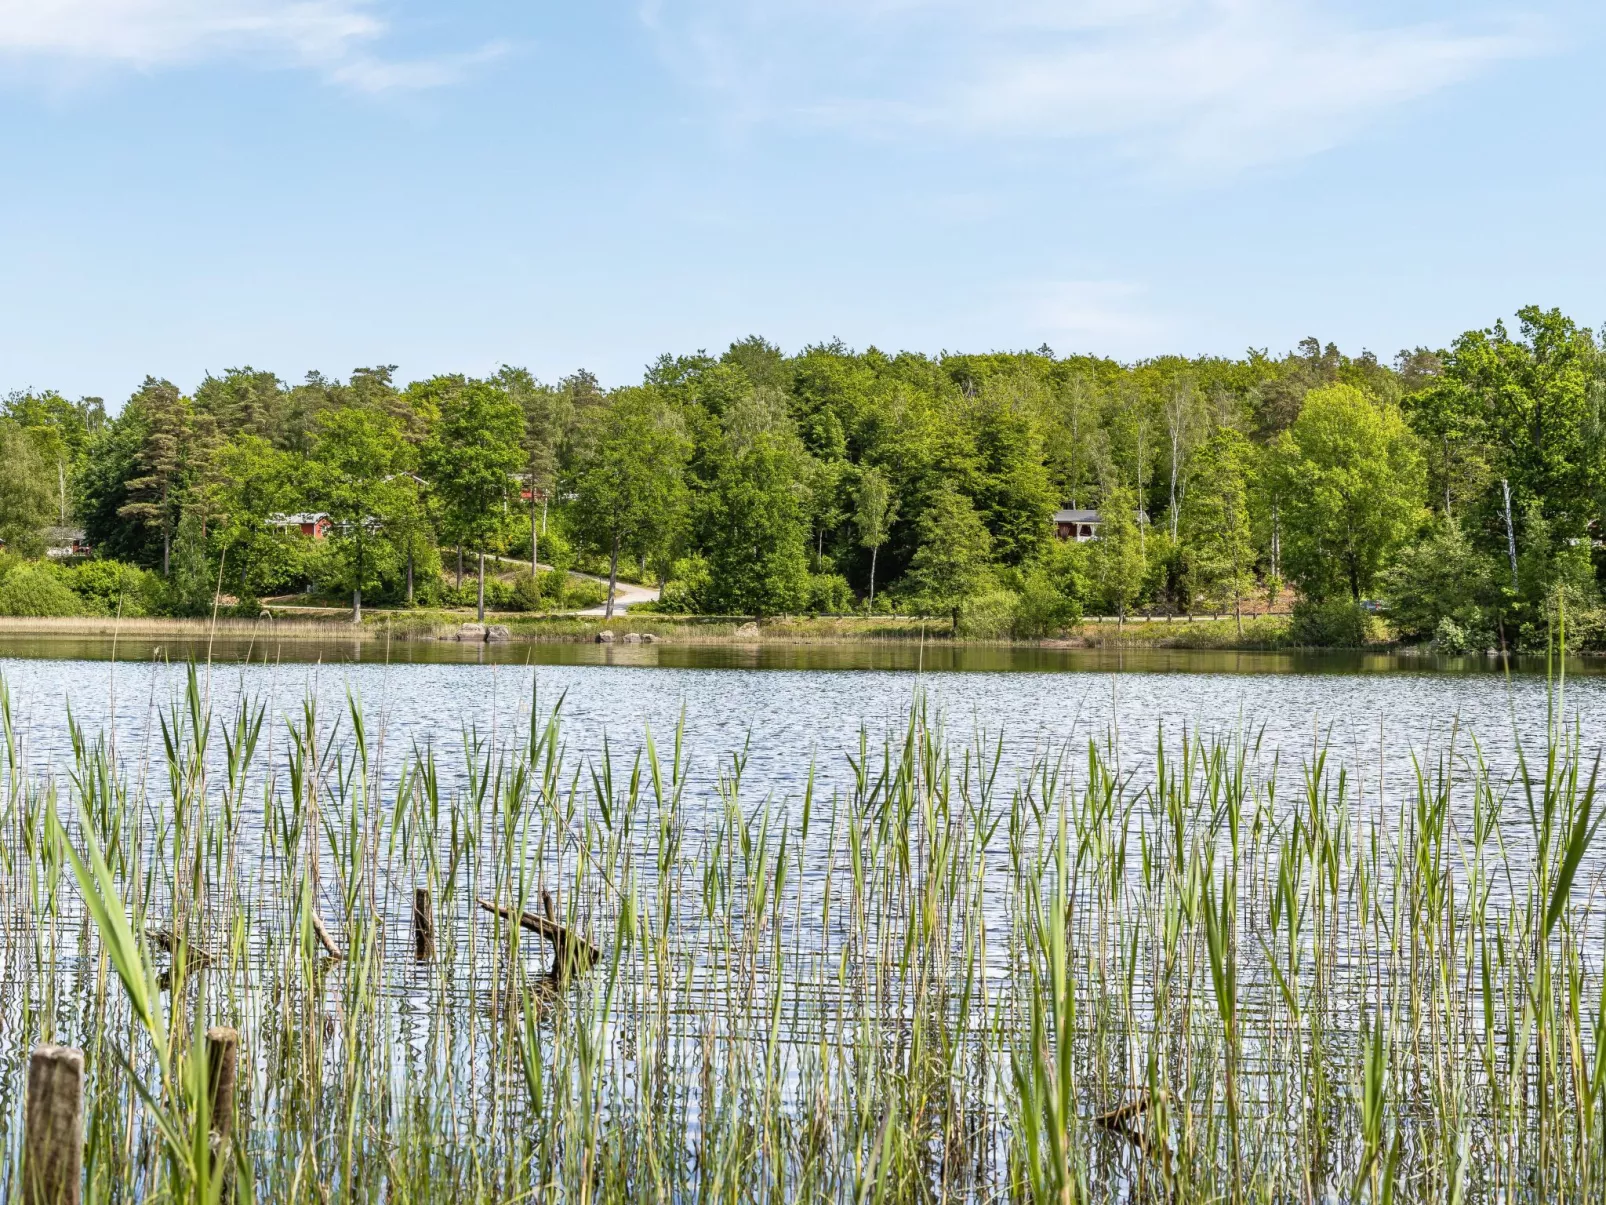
pixel 1076 516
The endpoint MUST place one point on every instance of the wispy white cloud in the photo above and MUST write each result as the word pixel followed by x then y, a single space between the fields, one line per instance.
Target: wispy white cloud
pixel 1190 85
pixel 338 38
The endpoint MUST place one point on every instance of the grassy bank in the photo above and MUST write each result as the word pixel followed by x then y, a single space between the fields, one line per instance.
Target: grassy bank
pixel 328 623
pixel 1214 982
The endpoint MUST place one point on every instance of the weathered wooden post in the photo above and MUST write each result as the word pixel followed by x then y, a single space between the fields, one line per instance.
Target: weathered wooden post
pixel 222 1061
pixel 53 1139
pixel 423 925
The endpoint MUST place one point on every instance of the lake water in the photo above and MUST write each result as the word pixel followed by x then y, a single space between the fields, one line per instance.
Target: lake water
pixel 1371 712
pixel 825 959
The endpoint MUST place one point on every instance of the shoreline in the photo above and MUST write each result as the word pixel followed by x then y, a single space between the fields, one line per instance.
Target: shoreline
pixel 1261 634
pixel 523 628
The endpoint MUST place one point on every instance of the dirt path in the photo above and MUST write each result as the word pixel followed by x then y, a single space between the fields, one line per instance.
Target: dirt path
pixel 625 594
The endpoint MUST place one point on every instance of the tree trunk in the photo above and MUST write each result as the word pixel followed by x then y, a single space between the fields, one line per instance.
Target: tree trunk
pixel 409 577
pixel 480 600
pixel 356 604
pixel 613 578
pixel 874 549
pixel 459 566
pixel 167 549
pixel 535 540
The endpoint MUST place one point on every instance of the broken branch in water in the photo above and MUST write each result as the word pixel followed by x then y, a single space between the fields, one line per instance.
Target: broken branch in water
pixel 570 951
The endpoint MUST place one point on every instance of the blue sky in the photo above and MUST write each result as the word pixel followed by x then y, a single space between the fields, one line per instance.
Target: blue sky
pixel 189 185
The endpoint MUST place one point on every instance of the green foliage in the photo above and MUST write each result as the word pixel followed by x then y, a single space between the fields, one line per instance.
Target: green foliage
pixel 1051 592
pixel 828 594
pixel 952 564
pixel 627 477
pixel 1012 489
pixel 28 497
pixel 1441 587
pixel 473 450
pixel 117 588
pixel 35 590
pixel 1214 526
pixel 755 482
pixel 192 579
pixel 1120 558
pixel 1332 623
pixel 1352 489
pixel 753 527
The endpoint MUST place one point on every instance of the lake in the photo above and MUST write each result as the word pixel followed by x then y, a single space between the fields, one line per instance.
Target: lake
pixel 1373 711
pixel 1215 938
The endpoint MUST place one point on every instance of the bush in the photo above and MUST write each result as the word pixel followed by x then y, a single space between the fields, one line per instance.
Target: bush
pixel 1451 638
pixel 580 593
pixel 36 591
pixel 1042 608
pixel 989 616
pixel 117 588
pixel 1334 623
pixel 829 593
pixel 1440 577
pixel 526 594
pixel 685 590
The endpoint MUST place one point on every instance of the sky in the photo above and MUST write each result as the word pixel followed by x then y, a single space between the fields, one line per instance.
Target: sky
pixel 192 185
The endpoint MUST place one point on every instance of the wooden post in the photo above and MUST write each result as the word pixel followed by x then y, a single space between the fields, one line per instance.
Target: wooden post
pixel 423 926
pixel 222 1058
pixel 53 1141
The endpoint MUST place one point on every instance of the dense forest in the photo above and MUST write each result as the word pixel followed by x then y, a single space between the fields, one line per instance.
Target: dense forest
pixel 1457 494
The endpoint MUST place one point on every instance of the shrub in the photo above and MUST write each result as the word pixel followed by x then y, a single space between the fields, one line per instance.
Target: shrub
pixel 1043 608
pixel 117 588
pixel 1451 638
pixel 582 592
pixel 685 590
pixel 526 594
pixel 989 615
pixel 829 593
pixel 35 591
pixel 1333 623
pixel 1439 577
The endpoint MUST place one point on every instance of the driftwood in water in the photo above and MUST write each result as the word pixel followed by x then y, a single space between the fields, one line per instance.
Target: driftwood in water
pixel 168 943
pixel 193 960
pixel 324 939
pixel 1124 1122
pixel 570 951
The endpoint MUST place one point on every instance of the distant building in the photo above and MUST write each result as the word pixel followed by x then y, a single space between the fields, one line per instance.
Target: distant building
pixel 1078 525
pixel 309 523
pixel 65 542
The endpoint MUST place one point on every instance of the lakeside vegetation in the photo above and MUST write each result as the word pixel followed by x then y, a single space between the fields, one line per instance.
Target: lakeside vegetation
pixel 1453 497
pixel 1071 981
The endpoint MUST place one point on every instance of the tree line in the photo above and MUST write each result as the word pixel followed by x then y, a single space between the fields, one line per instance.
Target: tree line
pixel 1459 491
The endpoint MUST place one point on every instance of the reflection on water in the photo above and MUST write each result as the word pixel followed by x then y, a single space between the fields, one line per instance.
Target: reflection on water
pixel 910 655
pixel 1375 711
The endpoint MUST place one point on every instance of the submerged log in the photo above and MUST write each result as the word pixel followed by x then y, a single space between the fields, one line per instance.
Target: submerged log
pixel 1124 1122
pixel 570 951
pixel 168 943
pixel 324 939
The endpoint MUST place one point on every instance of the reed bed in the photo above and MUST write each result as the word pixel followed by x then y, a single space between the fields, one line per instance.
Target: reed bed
pixel 1226 980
